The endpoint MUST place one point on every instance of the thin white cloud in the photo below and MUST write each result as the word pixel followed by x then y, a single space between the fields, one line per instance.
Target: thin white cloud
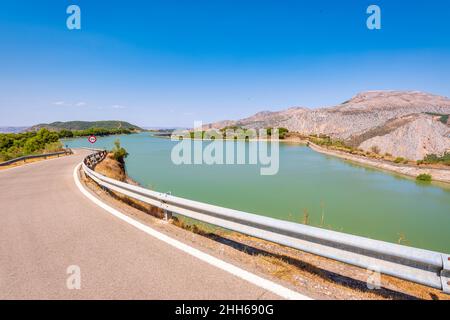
pixel 82 104
pixel 67 104
pixel 118 106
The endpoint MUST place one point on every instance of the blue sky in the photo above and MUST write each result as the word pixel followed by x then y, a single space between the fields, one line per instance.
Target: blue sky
pixel 168 63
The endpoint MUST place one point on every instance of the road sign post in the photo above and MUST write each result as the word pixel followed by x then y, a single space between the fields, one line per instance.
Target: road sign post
pixel 92 139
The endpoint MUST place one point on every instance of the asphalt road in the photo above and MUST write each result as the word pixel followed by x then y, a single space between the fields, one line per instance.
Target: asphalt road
pixel 48 225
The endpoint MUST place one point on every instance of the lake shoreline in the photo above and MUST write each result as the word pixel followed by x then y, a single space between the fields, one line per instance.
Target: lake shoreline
pixel 438 175
pixel 441 176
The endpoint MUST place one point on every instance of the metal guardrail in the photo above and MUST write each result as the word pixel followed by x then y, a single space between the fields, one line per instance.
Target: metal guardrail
pixel 417 265
pixel 92 159
pixel 24 158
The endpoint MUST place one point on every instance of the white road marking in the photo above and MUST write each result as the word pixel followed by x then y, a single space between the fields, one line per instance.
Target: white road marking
pixel 236 271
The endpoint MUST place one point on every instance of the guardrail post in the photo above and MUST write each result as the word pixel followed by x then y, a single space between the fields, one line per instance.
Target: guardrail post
pixel 445 273
pixel 167 215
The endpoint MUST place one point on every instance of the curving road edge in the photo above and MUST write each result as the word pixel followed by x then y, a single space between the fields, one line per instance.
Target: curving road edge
pixel 225 266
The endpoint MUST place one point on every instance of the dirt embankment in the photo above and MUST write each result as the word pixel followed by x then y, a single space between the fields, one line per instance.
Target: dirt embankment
pixel 113 169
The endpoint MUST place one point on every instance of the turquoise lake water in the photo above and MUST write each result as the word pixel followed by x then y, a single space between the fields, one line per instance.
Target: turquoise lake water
pixel 345 196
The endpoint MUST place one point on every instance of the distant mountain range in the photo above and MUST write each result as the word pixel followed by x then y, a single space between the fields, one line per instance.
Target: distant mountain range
pixel 408 124
pixel 12 129
pixel 165 128
pixel 84 125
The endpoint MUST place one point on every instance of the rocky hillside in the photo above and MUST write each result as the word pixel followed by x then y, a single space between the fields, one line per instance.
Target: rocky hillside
pixel 414 140
pixel 382 118
pixel 262 119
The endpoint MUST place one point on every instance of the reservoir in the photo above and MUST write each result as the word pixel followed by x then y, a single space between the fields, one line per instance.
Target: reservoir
pixel 310 187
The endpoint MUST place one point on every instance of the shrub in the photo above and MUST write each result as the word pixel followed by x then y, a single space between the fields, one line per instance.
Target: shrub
pixel 375 149
pixel 399 160
pixel 65 134
pixel 326 141
pixel 282 132
pixel 53 147
pixel 431 158
pixel 434 159
pixel 13 145
pixel 424 177
pixel 119 153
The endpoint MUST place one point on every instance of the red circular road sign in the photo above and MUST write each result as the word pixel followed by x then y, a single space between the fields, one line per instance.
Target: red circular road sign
pixel 92 139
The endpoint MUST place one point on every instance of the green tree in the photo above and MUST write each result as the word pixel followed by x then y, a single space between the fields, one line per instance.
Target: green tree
pixel 65 134
pixel 119 153
pixel 13 145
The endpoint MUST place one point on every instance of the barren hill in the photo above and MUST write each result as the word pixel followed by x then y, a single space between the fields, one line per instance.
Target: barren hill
pixel 364 119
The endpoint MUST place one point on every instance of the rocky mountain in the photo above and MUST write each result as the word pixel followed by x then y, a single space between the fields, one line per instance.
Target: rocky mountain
pixel 414 140
pixel 84 125
pixel 261 119
pixel 415 122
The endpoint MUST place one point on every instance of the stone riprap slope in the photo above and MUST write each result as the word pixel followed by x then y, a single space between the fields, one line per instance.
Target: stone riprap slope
pixel 407 123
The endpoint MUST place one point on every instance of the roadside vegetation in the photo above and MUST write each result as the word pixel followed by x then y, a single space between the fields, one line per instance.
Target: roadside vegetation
pixel 14 145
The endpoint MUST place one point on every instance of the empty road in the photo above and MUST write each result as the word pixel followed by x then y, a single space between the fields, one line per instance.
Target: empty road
pixel 47 225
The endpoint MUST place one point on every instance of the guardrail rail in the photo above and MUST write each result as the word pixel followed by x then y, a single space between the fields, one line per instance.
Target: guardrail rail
pixel 421 266
pixel 36 156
